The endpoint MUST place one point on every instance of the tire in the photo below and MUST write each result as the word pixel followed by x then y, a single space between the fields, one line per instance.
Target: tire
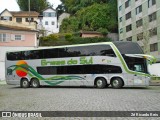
pixel 35 83
pixel 100 83
pixel 117 83
pixel 107 85
pixel 24 83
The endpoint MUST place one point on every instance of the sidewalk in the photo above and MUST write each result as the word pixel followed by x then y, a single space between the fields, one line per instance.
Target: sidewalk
pixel 2 82
pixel 155 83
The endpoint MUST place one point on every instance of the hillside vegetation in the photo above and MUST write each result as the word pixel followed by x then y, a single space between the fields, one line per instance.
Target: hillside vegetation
pixel 89 15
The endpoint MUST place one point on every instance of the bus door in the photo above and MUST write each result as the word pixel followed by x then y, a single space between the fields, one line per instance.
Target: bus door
pixel 9 74
pixel 139 79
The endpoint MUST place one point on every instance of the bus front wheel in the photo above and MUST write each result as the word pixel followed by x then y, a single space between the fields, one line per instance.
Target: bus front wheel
pixel 24 83
pixel 35 83
pixel 100 83
pixel 117 83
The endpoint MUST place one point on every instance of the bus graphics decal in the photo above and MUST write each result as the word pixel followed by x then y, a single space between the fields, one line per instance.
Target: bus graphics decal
pixel 22 69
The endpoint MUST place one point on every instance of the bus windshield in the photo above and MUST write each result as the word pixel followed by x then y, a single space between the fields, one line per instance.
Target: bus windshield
pixel 128 48
pixel 136 64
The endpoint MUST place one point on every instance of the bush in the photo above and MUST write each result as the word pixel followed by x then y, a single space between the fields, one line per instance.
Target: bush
pixel 79 40
pixel 103 31
pixel 68 37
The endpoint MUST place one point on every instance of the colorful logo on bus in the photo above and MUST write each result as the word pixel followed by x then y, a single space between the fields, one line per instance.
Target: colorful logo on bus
pixel 21 71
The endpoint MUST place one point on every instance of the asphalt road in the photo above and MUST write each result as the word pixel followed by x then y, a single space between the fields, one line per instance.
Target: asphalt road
pixel 79 99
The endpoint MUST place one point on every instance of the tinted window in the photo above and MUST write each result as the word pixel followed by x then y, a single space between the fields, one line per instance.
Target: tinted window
pixel 79 69
pixel 33 54
pixel 136 64
pixel 128 48
pixel 95 50
pixel 50 53
pixel 14 56
pixel 62 52
pixel 47 70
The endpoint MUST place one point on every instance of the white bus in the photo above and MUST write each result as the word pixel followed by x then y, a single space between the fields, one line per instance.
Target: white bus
pixel 98 64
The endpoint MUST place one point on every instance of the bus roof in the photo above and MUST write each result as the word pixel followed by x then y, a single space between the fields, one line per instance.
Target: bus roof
pixel 117 43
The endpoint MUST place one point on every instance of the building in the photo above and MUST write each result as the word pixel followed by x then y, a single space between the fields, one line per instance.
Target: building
pixel 48 21
pixel 87 34
pixel 19 18
pixel 15 36
pixel 139 21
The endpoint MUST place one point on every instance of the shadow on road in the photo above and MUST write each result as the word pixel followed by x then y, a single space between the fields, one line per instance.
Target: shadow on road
pixel 80 87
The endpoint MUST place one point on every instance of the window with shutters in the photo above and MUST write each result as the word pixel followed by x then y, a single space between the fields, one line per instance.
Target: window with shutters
pixel 7 18
pixel 18 37
pixel 4 37
pixel 29 19
pixel 18 19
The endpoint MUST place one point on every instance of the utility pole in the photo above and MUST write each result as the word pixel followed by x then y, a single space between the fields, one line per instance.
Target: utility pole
pixel 29 9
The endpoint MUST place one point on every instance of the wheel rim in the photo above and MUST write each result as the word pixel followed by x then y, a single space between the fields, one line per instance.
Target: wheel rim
pixel 99 83
pixel 115 83
pixel 25 83
pixel 34 83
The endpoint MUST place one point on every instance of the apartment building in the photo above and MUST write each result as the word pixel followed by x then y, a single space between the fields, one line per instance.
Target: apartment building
pixel 139 21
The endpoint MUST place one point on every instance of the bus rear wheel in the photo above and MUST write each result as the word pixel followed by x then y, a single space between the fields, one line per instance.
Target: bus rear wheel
pixel 100 83
pixel 35 83
pixel 24 83
pixel 117 83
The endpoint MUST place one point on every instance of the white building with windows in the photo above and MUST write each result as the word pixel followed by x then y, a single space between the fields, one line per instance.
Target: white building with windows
pixel 139 21
pixel 48 21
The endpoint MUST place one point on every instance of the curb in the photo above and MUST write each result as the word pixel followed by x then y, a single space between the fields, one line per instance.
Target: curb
pixel 2 82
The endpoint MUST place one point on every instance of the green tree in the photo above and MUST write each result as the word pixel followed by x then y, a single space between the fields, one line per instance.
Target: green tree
pixel 35 5
pixel 92 18
pixel 60 9
pixel 70 25
pixel 72 6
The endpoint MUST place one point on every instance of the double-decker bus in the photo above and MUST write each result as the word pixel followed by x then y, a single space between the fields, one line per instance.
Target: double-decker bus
pixel 97 64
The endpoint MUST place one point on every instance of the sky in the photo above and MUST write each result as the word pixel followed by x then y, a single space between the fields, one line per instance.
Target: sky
pixel 12 5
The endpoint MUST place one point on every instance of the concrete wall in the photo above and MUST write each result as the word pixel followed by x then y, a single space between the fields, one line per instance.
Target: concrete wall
pixel 113 36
